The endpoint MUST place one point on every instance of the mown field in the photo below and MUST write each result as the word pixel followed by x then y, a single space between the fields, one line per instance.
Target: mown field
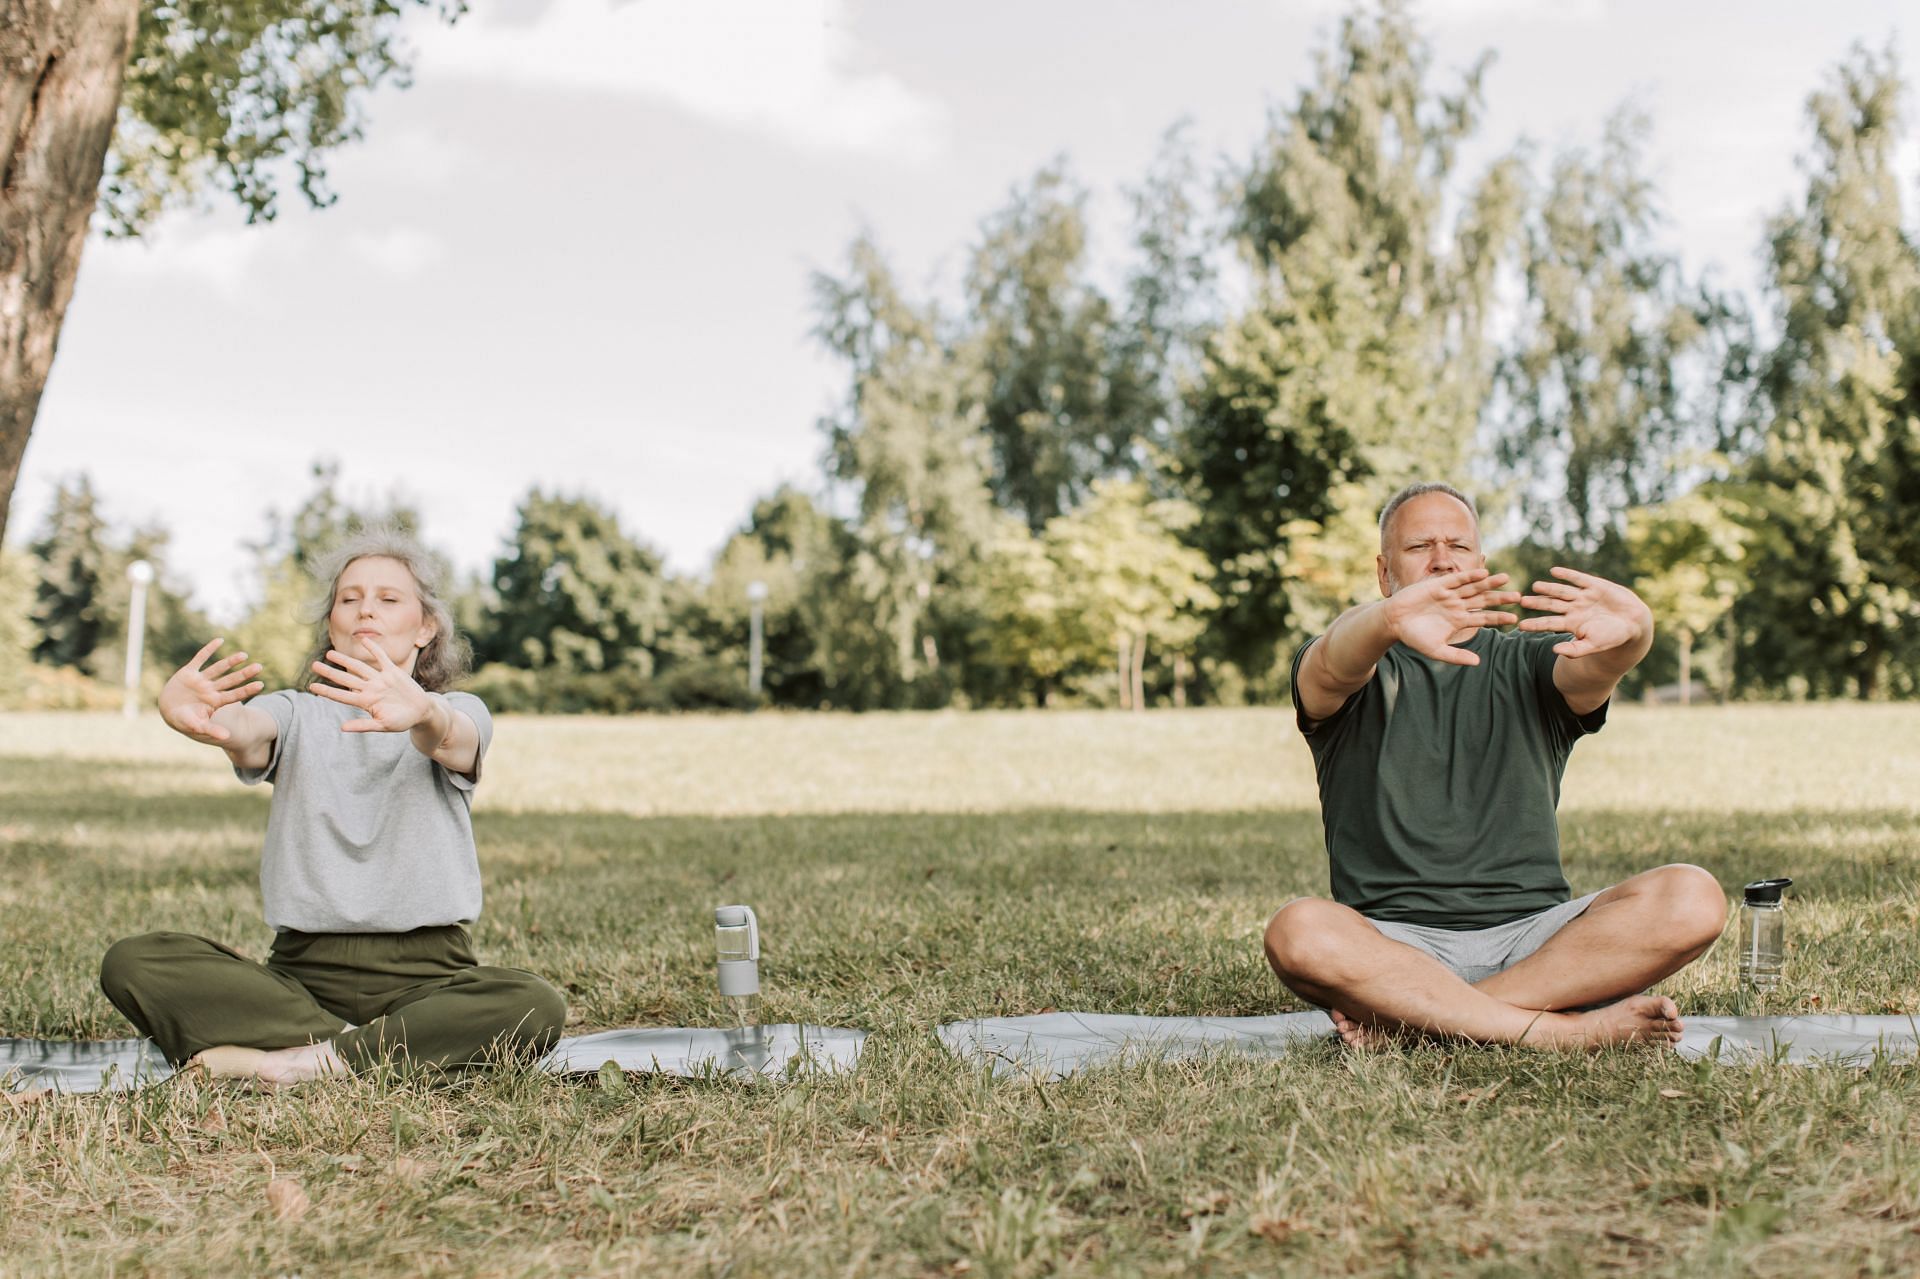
pixel 910 870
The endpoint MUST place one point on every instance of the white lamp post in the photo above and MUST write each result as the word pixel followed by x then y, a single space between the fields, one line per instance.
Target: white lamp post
pixel 757 597
pixel 139 573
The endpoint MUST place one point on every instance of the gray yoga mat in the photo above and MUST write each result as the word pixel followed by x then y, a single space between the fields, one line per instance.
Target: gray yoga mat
pixel 1055 1045
pixel 775 1051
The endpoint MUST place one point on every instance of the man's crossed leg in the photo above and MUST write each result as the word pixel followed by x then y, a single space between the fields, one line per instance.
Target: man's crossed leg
pixel 1579 989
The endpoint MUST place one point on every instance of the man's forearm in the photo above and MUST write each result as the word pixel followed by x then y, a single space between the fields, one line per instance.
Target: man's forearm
pixel 1587 682
pixel 1341 661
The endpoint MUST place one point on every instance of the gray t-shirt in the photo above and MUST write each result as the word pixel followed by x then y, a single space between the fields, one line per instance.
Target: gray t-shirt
pixel 366 834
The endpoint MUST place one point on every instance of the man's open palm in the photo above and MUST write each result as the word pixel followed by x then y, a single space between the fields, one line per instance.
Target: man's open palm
pixel 1426 614
pixel 1597 614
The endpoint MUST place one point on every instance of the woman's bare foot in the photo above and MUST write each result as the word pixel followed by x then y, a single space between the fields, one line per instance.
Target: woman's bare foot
pixel 1638 1019
pixel 279 1068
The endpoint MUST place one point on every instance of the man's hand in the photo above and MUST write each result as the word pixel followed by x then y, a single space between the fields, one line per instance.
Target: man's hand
pixel 1598 614
pixel 392 701
pixel 192 695
pixel 1425 615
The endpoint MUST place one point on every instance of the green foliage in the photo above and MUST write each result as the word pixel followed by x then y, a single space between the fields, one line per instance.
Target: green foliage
pixel 1597 387
pixel 698 685
pixel 575 593
pixel 238 95
pixel 1836 605
pixel 1363 358
pixel 1689 556
pixel 17 632
pixel 74 563
pixel 278 630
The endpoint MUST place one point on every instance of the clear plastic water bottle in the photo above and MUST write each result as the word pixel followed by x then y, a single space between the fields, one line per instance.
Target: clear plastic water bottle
pixel 736 937
pixel 1763 934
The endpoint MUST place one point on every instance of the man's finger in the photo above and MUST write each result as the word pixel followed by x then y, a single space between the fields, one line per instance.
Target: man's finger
pixel 1491 617
pixel 1455 656
pixel 1575 576
pixel 1559 590
pixel 1490 583
pixel 1547 623
pixel 1576 648
pixel 1453 581
pixel 1545 603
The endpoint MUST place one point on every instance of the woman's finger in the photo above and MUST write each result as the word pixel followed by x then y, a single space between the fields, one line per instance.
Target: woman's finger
pixel 211 647
pixel 345 679
pixel 333 694
pixel 237 677
pixel 239 694
pixel 353 664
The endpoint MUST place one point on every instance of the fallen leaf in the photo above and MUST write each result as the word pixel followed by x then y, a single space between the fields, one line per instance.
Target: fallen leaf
pixel 1206 1203
pixel 21 1100
pixel 1672 1094
pixel 1272 1228
pixel 288 1201
pixel 215 1120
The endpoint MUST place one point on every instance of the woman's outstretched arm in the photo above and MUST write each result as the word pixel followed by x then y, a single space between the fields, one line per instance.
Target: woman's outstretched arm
pixel 395 704
pixel 206 703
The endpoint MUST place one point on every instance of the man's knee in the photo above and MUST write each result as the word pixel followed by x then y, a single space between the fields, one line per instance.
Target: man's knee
pixel 1696 904
pixel 1306 938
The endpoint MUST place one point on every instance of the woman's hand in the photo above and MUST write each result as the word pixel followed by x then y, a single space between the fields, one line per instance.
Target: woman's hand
pixel 392 701
pixel 193 694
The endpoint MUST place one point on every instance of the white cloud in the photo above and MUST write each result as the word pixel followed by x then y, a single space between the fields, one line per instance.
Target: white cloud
pixel 220 258
pixel 781 67
pixel 401 251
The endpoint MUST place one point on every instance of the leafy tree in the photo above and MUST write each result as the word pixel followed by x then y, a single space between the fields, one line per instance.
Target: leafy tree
pixel 1689 557
pixel 1599 387
pixel 142 107
pixel 17 633
pixel 278 630
pixel 909 444
pixel 1027 619
pixel 1363 358
pixel 1130 583
pixel 574 592
pixel 75 564
pixel 1836 600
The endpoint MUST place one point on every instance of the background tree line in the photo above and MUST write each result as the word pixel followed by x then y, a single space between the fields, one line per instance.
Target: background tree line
pixel 1062 480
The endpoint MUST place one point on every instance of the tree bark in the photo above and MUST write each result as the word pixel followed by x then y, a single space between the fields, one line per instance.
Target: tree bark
pixel 61 67
pixel 1124 664
pixel 1686 667
pixel 1139 674
pixel 1179 681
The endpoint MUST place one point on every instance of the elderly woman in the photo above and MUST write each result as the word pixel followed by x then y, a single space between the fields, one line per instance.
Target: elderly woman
pixel 369 873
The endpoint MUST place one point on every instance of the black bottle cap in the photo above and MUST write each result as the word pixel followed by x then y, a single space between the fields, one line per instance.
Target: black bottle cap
pixel 1766 892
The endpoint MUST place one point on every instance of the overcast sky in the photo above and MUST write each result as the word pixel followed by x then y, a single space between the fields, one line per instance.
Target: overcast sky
pixel 576 252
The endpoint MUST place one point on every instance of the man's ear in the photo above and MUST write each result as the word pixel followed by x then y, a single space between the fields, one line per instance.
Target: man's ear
pixel 1380 572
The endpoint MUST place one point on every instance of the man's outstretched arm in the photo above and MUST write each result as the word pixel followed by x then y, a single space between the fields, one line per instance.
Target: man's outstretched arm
pixel 1609 631
pixel 1426 616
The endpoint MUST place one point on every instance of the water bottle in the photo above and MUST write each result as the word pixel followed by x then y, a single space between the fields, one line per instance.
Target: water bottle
pixel 736 937
pixel 1763 934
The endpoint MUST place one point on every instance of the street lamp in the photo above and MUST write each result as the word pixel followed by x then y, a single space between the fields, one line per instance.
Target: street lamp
pixel 139 573
pixel 757 597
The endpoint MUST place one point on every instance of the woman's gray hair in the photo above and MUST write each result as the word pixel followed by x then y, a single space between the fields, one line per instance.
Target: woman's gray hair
pixel 444 658
pixel 1421 489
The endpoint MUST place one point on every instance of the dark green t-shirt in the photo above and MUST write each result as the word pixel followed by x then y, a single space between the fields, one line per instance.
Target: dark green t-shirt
pixel 1438 784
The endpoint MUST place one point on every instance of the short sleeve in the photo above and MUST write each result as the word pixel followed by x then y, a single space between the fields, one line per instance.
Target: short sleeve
pixel 476 710
pixel 279 706
pixel 1313 729
pixel 1554 702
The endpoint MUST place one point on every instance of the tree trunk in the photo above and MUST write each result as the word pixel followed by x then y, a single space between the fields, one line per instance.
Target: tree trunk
pixel 1140 671
pixel 61 66
pixel 1125 667
pixel 1180 681
pixel 1686 667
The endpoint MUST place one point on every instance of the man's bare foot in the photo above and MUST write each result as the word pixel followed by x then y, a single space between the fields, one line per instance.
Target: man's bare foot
pixel 1638 1019
pixel 1364 1038
pixel 277 1069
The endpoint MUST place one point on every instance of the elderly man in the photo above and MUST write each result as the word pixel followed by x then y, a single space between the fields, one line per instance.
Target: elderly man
pixel 1439 743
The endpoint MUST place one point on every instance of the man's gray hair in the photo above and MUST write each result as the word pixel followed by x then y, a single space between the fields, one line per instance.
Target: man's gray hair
pixel 1421 489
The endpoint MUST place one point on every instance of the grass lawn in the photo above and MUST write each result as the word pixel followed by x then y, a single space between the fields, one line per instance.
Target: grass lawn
pixel 910 870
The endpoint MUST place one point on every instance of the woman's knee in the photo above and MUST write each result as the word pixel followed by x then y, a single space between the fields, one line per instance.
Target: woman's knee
pixel 130 957
pixel 531 1011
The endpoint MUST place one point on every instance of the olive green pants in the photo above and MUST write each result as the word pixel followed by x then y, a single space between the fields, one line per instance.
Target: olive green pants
pixel 417 997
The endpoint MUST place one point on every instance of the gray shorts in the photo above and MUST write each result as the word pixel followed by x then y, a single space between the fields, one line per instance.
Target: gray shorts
pixel 1476 954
